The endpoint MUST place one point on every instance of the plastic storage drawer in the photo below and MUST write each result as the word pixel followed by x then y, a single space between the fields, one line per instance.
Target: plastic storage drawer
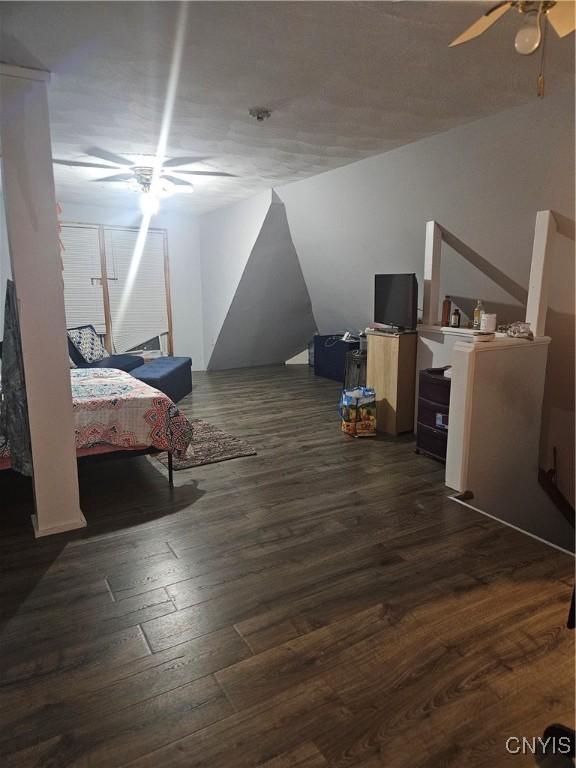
pixel 431 441
pixel 434 386
pixel 432 415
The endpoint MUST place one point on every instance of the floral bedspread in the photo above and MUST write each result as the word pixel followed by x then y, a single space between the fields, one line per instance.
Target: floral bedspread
pixel 112 408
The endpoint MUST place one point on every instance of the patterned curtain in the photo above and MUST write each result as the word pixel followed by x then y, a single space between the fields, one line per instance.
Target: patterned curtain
pixel 13 405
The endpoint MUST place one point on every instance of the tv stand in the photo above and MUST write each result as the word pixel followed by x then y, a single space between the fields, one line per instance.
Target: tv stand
pixel 391 372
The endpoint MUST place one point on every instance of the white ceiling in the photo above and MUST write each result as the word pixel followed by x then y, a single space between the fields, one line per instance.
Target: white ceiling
pixel 345 80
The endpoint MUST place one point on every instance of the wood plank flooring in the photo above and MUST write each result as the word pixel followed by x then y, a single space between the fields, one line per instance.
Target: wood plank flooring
pixel 319 605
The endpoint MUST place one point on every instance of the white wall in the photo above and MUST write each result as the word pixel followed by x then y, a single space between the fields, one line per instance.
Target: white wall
pixel 484 181
pixel 185 270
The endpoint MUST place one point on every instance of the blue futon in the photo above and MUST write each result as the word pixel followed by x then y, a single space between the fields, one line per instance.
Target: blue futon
pixel 171 375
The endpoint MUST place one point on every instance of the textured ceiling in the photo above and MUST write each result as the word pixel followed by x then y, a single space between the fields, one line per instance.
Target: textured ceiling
pixel 345 80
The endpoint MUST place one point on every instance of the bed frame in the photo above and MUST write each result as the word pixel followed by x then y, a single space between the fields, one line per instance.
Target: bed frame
pixel 127 454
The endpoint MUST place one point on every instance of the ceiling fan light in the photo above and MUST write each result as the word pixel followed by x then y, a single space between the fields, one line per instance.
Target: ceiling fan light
pixel 528 37
pixel 149 204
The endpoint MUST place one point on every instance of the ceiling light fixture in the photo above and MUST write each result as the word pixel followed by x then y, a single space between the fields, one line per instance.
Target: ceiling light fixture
pixel 532 34
pixel 143 182
pixel 149 204
pixel 529 36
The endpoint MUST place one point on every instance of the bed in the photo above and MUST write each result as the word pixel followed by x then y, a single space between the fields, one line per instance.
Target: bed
pixel 116 414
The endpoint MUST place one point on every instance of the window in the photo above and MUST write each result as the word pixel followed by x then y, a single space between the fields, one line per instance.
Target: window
pixel 97 263
pixel 83 295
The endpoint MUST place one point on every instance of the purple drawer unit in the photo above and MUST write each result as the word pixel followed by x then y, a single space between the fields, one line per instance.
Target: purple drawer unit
pixel 433 413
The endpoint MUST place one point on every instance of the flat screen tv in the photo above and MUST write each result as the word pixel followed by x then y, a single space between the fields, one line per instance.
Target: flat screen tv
pixel 395 301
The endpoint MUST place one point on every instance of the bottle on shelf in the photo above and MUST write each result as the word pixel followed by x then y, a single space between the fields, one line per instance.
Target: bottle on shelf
pixel 455 319
pixel 478 312
pixel 446 310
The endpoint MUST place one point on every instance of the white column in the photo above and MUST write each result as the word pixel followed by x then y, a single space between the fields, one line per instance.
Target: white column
pixel 432 273
pixel 31 223
pixel 461 399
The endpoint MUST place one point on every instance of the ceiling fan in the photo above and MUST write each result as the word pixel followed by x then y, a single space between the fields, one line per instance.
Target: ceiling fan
pixel 532 34
pixel 560 14
pixel 138 174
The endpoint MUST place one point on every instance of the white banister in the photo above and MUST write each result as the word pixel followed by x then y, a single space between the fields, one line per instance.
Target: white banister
pixel 432 256
pixel 548 225
pixel 436 234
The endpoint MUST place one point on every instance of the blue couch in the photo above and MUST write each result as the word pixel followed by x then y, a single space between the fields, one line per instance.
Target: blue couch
pixel 170 375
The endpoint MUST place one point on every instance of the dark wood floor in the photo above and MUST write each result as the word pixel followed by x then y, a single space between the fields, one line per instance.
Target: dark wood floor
pixel 320 604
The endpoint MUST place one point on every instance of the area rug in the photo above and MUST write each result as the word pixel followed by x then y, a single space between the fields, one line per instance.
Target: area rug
pixel 209 445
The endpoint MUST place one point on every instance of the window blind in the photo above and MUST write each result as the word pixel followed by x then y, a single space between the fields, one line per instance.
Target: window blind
pixel 82 274
pixel 144 313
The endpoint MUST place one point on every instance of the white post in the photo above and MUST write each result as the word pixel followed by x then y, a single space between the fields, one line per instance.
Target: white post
pixel 31 223
pixel 537 305
pixel 432 273
pixel 495 408
pixel 461 398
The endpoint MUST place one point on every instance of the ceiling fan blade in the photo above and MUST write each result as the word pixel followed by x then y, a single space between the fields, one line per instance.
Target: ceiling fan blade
pixel 175 180
pixel 206 173
pixel 117 177
pixel 174 161
pixel 110 157
pixel 78 164
pixel 562 17
pixel 484 22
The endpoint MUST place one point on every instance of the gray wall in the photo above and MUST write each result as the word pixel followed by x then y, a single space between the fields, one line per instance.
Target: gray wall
pixel 5 267
pixel 270 318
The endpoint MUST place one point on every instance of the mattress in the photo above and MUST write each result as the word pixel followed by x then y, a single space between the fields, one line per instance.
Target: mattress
pixel 115 411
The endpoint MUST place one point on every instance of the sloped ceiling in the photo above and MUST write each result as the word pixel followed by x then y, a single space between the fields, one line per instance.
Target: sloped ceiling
pixel 345 80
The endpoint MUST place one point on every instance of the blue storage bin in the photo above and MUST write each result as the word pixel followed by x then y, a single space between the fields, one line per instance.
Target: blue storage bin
pixel 330 356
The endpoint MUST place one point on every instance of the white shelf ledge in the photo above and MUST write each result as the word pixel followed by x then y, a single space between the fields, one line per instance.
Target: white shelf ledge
pixel 467 333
